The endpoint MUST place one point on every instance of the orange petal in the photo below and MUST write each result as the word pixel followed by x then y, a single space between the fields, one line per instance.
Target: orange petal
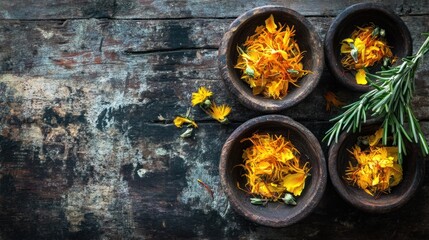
pixel 295 182
pixel 361 77
pixel 374 139
pixel 270 24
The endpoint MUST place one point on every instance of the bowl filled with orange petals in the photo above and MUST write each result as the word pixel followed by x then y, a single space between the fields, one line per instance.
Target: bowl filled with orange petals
pixel 273 170
pixel 363 39
pixel 271 58
pixel 370 174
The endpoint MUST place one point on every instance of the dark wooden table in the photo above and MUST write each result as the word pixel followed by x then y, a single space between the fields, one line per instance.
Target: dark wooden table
pixel 83 154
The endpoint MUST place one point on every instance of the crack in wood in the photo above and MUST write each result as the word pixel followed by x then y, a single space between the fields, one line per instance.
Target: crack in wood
pixel 167 50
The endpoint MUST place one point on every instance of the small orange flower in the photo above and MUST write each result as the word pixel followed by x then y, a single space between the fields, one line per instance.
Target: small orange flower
pixel 332 100
pixel 179 121
pixel 219 113
pixel 200 96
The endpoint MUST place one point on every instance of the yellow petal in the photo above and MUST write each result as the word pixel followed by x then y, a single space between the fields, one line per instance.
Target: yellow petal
pixel 348 40
pixel 295 183
pixel 179 121
pixel 392 152
pixel 361 77
pixel 396 175
pixel 359 44
pixel 263 168
pixel 375 181
pixel 286 155
pixel 374 139
pixel 270 24
pixel 263 190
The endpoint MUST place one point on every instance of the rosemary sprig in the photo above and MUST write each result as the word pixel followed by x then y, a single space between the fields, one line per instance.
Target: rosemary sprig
pixel 390 100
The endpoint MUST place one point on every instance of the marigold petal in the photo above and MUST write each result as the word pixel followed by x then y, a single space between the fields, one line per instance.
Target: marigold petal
pixel 179 121
pixel 348 40
pixel 375 139
pixel 361 77
pixel 359 44
pixel 295 183
pixel 270 24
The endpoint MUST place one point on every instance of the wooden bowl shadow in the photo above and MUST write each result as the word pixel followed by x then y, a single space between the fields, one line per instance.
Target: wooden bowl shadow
pixel 274 214
pixel 413 173
pixel 243 27
pixel 398 37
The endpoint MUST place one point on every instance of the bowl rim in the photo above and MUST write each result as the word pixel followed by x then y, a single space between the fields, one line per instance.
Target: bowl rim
pixel 334 67
pixel 314 197
pixel 257 102
pixel 341 187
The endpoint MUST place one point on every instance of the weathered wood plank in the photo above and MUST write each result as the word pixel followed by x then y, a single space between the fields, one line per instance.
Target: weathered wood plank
pixel 147 186
pixel 139 61
pixel 55 9
pixel 84 156
pixel 193 201
pixel 166 9
pixel 231 9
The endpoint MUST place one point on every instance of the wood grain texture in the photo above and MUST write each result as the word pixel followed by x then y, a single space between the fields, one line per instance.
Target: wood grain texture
pixel 165 9
pixel 83 154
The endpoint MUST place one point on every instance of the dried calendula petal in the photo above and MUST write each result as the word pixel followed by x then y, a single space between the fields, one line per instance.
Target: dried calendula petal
pixel 295 183
pixel 361 77
pixel 179 121
pixel 332 100
pixel 272 167
pixel 375 139
pixel 270 24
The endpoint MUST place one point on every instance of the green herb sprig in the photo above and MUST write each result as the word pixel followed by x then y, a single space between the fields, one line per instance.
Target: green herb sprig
pixel 390 101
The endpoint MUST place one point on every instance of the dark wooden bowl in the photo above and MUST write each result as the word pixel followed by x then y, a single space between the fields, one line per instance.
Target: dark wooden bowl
pixel 243 27
pixel 397 35
pixel 275 214
pixel 413 173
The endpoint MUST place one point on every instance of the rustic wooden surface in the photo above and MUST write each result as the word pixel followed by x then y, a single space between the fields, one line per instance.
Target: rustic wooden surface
pixel 84 156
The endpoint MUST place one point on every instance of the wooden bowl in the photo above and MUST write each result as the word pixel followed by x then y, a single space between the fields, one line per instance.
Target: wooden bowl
pixel 243 27
pixel 413 173
pixel 397 35
pixel 274 214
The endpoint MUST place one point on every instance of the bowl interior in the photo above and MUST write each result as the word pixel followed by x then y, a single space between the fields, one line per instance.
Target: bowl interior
pixel 274 214
pixel 338 163
pixel 305 36
pixel 397 37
